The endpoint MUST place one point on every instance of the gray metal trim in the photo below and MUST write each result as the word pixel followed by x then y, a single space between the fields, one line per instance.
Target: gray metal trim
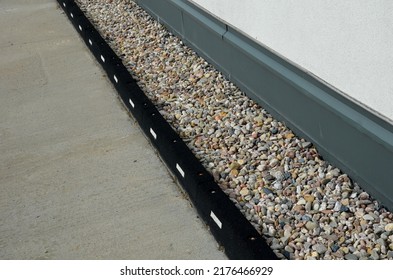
pixel 345 133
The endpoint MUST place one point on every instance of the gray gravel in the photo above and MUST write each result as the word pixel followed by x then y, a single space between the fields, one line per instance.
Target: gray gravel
pixel 304 207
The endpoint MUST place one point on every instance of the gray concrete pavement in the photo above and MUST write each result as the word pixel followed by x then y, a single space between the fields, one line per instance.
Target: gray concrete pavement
pixel 78 180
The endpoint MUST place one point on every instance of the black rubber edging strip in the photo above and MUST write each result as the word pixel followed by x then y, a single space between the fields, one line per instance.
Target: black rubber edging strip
pixel 230 228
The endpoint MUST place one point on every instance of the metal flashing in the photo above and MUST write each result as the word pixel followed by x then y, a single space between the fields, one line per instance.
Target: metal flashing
pixel 345 133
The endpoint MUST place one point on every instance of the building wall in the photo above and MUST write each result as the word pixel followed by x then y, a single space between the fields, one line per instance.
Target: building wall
pixel 348 44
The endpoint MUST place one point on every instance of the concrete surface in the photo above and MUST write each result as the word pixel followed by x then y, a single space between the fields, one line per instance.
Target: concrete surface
pixel 348 44
pixel 78 180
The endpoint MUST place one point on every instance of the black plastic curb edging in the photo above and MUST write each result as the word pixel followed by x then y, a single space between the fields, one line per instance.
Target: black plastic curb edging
pixel 230 228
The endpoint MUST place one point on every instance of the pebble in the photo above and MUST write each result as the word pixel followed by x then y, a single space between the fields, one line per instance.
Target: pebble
pixel 274 177
pixel 309 198
pixel 368 217
pixel 390 254
pixel 277 186
pixel 334 247
pixel 351 257
pixel 374 255
pixel 389 227
pixel 301 201
pixel 320 248
pixel 267 191
pixel 345 202
pixel 244 191
pixel 345 250
pixel 311 225
pixel 364 196
pixel 289 249
pixel 306 145
pixel 337 206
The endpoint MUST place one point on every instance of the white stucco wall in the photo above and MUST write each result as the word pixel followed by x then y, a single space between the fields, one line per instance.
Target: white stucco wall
pixel 347 43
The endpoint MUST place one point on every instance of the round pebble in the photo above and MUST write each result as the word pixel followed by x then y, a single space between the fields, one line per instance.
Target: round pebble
pixel 389 227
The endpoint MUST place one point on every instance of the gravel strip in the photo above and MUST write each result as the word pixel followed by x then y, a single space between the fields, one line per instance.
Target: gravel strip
pixel 303 206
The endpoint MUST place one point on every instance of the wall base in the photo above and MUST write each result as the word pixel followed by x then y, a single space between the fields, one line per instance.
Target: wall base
pixel 346 134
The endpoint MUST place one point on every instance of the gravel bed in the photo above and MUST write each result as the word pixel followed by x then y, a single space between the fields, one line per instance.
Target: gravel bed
pixel 303 206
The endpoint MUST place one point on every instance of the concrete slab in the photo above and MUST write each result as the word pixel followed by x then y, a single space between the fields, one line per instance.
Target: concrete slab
pixel 78 180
